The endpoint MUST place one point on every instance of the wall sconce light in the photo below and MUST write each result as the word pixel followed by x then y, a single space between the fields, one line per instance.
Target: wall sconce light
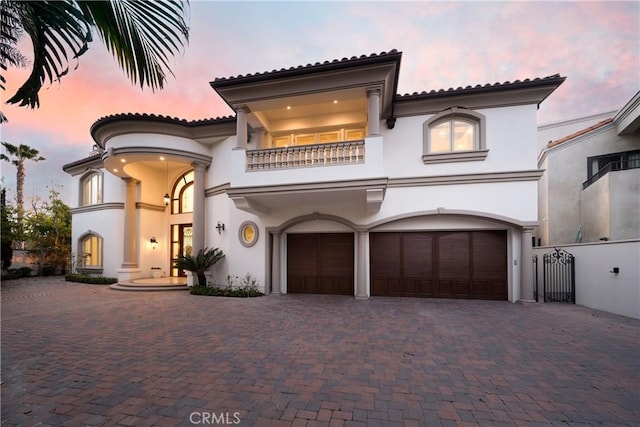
pixel 154 243
pixel 166 199
pixel 220 227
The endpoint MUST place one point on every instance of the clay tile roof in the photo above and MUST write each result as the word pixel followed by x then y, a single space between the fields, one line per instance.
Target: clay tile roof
pixel 318 66
pixel 160 119
pixel 481 88
pixel 89 158
pixel 578 133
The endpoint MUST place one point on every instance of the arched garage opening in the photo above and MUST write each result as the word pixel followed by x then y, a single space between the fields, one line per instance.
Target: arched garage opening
pixel 320 255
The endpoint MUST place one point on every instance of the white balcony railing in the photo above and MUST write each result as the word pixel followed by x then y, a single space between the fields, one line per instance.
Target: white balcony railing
pixel 340 153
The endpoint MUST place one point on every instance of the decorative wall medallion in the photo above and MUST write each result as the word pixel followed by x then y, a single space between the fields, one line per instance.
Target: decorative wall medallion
pixel 248 233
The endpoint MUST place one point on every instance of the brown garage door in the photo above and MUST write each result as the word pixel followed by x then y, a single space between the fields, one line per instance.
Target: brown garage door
pixel 320 263
pixel 456 264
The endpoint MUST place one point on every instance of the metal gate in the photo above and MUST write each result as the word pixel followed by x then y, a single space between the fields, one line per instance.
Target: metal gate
pixel 559 277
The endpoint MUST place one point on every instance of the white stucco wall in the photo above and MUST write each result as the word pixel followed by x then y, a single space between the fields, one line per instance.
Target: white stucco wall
pixel 104 223
pixel 508 131
pixel 625 204
pixel 596 286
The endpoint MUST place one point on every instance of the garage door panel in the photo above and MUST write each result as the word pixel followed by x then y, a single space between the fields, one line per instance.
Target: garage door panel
pixel 454 255
pixel 386 286
pixel 385 254
pixel 481 288
pixel 335 286
pixel 417 254
pixel 335 254
pixel 418 287
pixel 301 284
pixel 302 255
pixel 489 255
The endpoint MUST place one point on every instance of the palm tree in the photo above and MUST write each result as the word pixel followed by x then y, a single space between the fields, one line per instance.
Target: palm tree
pixel 141 35
pixel 200 263
pixel 20 154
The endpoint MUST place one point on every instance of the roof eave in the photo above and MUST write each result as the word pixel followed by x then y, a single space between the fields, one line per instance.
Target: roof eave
pixel 366 71
pixel 79 166
pixel 108 127
pixel 488 96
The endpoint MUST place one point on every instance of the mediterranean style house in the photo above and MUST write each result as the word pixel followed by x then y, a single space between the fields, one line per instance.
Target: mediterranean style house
pixel 325 181
pixel 590 190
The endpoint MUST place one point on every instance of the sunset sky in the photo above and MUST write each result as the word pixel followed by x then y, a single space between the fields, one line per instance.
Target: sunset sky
pixel 596 45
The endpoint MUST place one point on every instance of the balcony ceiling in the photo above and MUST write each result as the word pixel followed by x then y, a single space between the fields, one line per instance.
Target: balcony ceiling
pixel 309 105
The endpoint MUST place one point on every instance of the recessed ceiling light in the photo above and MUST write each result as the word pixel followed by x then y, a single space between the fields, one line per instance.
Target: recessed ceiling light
pixel 123 160
pixel 115 170
pixel 161 157
pixel 288 107
pixel 335 101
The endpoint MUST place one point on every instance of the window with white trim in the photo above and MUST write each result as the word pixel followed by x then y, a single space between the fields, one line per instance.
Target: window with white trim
pixel 89 252
pixel 91 189
pixel 182 194
pixel 454 135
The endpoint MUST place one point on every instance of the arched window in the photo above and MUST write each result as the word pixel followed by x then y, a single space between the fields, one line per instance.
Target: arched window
pixel 182 194
pixel 89 253
pixel 454 135
pixel 91 189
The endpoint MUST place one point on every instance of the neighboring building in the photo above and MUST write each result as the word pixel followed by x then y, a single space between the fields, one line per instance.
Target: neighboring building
pixel 325 181
pixel 591 187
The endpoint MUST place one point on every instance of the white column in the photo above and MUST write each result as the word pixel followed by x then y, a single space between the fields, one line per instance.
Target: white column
pixel 373 119
pixel 526 266
pixel 362 291
pixel 129 259
pixel 198 207
pixel 276 280
pixel 241 128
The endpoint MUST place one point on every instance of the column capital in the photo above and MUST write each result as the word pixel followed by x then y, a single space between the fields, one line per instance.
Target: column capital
pixel 129 180
pixel 199 166
pixel 241 108
pixel 374 90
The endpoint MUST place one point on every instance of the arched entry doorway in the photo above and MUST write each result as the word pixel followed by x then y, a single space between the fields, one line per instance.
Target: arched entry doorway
pixel 181 219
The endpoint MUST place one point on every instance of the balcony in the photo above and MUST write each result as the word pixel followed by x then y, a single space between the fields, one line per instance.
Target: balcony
pixel 314 176
pixel 340 153
pixel 610 167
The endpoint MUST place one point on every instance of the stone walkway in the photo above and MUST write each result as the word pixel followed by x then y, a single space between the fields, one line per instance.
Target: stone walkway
pixel 75 354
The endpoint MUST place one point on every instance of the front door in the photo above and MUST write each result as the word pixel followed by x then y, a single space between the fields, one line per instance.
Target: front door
pixel 181 244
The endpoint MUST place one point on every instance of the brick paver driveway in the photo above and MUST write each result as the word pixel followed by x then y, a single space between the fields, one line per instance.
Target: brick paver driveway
pixel 76 354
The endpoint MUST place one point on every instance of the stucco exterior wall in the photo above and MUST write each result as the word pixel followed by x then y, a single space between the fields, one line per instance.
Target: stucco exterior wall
pixel 596 284
pixel 103 223
pixel 625 204
pixel 594 210
pixel 566 171
pixel 555 130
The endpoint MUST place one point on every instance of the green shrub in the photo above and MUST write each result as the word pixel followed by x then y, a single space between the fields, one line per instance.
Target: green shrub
pixel 11 274
pixel 48 270
pixel 24 272
pixel 225 292
pixel 93 280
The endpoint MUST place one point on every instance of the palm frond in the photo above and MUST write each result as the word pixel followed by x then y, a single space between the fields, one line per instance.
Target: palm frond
pixel 141 35
pixel 58 31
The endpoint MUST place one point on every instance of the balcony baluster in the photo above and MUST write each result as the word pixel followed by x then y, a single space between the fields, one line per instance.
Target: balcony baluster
pixel 351 152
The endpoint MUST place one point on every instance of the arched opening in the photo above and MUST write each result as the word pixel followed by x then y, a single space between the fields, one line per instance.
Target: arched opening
pixel 182 228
